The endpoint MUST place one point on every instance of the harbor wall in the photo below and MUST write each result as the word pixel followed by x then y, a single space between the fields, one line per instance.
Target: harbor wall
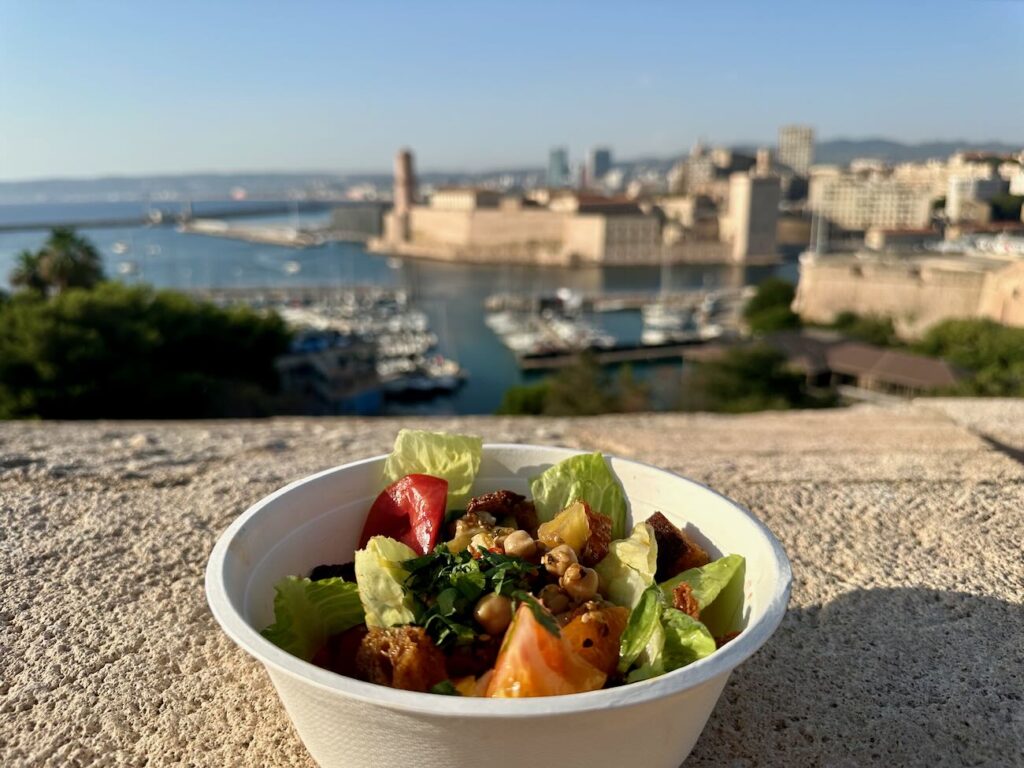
pixel 1002 296
pixel 915 294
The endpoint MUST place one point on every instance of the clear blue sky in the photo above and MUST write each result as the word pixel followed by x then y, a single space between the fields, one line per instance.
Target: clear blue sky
pixel 120 87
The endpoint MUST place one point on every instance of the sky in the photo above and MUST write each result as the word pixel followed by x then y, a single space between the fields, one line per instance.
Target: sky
pixel 92 88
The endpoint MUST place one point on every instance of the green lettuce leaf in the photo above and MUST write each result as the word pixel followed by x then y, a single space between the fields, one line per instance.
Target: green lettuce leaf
pixel 643 622
pixel 686 640
pixel 455 458
pixel 307 612
pixel 381 579
pixel 585 477
pixel 718 589
pixel 628 568
pixel 676 640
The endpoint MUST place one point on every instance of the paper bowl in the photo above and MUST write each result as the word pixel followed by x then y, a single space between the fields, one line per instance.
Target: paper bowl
pixel 350 723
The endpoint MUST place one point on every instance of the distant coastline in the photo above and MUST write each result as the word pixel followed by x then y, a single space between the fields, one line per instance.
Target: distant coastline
pixel 313 185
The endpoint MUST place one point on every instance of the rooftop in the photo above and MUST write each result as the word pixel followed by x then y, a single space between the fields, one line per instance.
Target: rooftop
pixel 901 645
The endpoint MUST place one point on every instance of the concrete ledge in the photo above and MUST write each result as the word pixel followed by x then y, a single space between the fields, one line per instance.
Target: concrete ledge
pixel 902 645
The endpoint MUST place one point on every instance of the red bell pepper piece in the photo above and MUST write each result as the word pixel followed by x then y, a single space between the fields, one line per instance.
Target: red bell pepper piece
pixel 410 510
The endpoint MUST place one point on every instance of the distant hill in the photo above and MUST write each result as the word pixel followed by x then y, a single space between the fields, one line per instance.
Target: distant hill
pixel 219 186
pixel 841 151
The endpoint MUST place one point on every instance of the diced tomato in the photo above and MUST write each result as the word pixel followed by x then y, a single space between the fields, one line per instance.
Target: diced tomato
pixel 410 510
pixel 535 662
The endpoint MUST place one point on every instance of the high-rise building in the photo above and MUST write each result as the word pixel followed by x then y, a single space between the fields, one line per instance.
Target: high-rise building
pixel 858 203
pixel 753 215
pixel 558 167
pixel 598 164
pixel 965 189
pixel 405 182
pixel 796 147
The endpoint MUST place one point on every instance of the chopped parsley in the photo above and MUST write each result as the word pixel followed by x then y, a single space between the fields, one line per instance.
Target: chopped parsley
pixel 447 585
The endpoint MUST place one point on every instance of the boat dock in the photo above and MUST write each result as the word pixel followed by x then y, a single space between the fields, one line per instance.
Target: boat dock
pixel 616 302
pixel 625 353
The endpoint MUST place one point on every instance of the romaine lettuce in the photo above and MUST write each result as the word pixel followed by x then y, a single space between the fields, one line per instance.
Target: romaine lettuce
pixel 686 640
pixel 659 639
pixel 381 579
pixel 628 568
pixel 455 458
pixel 718 589
pixel 307 612
pixel 640 627
pixel 586 477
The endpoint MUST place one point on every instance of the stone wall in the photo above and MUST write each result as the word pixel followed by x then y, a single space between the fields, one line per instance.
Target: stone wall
pixel 915 294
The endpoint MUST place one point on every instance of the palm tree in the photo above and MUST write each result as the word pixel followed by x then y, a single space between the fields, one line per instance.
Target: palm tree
pixel 68 260
pixel 26 273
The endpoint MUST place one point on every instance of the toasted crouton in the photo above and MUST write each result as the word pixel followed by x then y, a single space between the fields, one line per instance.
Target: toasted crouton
pixel 677 552
pixel 400 657
pixel 502 504
pixel 683 600
pixel 599 539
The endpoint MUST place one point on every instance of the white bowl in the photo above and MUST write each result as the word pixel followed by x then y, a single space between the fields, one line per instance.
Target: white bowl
pixel 347 722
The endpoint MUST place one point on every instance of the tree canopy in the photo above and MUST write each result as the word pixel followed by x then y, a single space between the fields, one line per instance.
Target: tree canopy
pixel 66 260
pixel 744 379
pixel 130 352
pixel 769 310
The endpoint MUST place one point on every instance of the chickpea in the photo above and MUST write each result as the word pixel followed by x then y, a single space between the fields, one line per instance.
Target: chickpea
pixel 520 544
pixel 557 559
pixel 554 598
pixel 580 582
pixel 494 613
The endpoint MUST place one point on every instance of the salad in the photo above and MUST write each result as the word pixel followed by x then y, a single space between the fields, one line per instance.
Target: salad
pixel 498 595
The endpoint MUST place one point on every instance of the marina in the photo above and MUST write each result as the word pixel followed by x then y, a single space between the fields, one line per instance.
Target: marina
pixel 452 296
pixel 548 331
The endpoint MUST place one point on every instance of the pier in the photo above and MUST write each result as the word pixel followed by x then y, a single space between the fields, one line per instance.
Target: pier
pixel 616 302
pixel 625 353
pixel 164 217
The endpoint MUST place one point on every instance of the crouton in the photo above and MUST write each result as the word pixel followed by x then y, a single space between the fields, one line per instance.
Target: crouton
pixel 677 552
pixel 400 657
pixel 683 600
pixel 502 504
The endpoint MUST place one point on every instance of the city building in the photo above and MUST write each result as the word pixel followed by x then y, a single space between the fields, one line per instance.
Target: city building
pixel 599 162
pixel 558 168
pixel 796 147
pixel 753 216
pixel 857 202
pixel 964 190
pixel 900 240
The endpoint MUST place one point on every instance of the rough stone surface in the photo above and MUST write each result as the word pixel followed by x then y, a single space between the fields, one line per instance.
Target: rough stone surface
pixel 903 645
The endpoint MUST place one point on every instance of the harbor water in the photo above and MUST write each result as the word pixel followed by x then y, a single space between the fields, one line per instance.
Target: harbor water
pixel 452 295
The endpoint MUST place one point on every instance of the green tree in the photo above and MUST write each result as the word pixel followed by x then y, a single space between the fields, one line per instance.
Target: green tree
pixel 582 388
pixel 871 329
pixel 26 273
pixel 524 400
pixel 631 394
pixel 769 310
pixel 123 352
pixel 68 260
pixel 744 379
pixel 993 353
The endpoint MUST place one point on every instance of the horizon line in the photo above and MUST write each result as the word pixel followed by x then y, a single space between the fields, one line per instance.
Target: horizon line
pixel 494 169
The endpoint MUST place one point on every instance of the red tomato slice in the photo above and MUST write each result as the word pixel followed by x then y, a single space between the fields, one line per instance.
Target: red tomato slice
pixel 410 510
pixel 534 662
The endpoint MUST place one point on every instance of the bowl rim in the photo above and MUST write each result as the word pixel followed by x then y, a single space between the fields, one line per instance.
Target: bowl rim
pixel 277 660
